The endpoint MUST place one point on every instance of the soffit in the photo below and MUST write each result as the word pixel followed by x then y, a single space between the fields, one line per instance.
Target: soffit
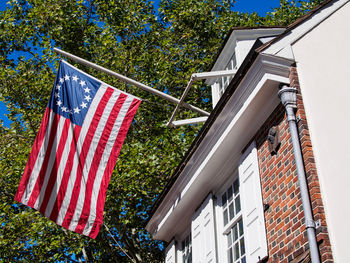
pixel 253 100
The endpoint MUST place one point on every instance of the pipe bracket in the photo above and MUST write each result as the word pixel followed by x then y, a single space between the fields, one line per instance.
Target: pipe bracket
pixel 310 224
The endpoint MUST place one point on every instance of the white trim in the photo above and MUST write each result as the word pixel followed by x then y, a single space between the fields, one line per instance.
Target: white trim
pixel 223 230
pixel 214 74
pixel 239 35
pixel 170 252
pixel 306 26
pixel 253 101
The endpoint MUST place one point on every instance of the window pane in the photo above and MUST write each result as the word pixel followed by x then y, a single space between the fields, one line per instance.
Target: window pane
pixel 229 256
pixel 225 217
pixel 235 233
pixel 230 194
pixel 221 89
pixel 236 187
pixel 229 240
pixel 234 61
pixel 224 199
pixel 243 260
pixel 231 211
pixel 238 204
pixel 240 227
pixel 236 251
pixel 242 246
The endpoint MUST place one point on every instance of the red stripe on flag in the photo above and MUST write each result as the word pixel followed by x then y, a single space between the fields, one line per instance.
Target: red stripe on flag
pixel 96 161
pixel 33 155
pixel 40 180
pixel 110 166
pixel 85 149
pixel 53 174
pixel 66 174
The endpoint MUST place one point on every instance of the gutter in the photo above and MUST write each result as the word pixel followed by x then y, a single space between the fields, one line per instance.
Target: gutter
pixel 288 98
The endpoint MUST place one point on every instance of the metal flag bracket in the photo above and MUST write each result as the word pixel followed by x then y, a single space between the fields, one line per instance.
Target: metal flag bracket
pixel 179 102
pixel 195 77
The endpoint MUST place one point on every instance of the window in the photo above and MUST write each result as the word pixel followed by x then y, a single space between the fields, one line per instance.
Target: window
pixel 225 81
pixel 231 202
pixel 186 250
pixel 233 224
pixel 235 244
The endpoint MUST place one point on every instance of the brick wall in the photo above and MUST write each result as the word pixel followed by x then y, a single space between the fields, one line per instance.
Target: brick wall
pixel 284 219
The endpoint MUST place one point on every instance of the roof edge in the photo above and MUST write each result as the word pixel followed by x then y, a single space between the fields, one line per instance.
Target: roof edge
pixel 296 23
pixel 250 58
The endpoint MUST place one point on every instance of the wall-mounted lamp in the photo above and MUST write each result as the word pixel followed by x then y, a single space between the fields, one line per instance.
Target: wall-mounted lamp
pixel 273 139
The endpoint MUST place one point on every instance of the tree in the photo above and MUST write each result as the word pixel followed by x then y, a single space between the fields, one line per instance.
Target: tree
pixel 159 46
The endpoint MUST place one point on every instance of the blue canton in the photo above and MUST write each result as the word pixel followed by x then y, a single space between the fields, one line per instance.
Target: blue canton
pixel 72 93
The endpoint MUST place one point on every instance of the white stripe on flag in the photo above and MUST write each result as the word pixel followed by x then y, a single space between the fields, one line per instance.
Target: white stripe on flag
pixel 90 156
pixel 103 163
pixel 54 148
pixel 89 116
pixel 38 163
pixel 60 170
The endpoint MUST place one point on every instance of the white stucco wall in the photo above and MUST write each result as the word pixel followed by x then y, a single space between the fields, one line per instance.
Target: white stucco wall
pixel 323 65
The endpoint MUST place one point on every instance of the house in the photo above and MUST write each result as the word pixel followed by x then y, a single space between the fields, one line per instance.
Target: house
pixel 266 179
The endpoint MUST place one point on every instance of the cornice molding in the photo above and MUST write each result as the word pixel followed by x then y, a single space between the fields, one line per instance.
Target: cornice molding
pixel 265 68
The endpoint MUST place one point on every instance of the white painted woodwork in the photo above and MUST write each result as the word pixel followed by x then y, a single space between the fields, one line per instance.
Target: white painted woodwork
pixel 239 43
pixel 217 156
pixel 170 252
pixel 320 48
pixel 252 206
pixel 203 233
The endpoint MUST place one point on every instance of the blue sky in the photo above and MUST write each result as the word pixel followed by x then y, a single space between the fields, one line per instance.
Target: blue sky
pixel 259 6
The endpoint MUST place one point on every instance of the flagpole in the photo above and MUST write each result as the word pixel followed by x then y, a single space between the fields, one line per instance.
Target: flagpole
pixel 131 81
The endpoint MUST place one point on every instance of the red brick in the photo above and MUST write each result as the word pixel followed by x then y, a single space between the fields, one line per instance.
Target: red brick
pixel 270 176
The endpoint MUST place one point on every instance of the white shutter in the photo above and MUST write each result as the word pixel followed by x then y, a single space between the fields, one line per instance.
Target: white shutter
pixel 170 252
pixel 252 206
pixel 203 233
pixel 197 237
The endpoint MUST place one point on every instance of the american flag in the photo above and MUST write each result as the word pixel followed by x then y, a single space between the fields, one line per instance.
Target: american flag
pixel 75 151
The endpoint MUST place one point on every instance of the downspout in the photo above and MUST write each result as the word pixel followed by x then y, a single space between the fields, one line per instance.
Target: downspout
pixel 288 98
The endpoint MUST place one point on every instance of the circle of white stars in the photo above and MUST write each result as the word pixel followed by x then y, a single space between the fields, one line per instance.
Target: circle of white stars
pixel 82 84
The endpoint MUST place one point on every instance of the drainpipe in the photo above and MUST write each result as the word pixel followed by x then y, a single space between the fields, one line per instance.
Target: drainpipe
pixel 288 98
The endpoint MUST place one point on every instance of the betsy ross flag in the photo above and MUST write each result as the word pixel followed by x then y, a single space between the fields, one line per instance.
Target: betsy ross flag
pixel 75 151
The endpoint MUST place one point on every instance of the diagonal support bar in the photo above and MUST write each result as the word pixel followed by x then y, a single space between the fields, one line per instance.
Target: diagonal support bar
pixel 131 81
pixel 195 77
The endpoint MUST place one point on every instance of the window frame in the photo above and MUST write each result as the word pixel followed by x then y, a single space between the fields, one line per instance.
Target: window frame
pixel 223 230
pixel 221 84
pixel 188 239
